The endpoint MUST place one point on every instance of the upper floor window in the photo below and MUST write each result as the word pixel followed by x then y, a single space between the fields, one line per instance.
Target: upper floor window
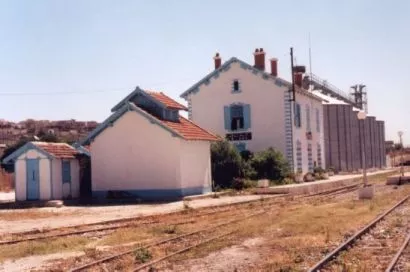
pixel 235 86
pixel 237 117
pixel 317 120
pixel 297 117
pixel 308 118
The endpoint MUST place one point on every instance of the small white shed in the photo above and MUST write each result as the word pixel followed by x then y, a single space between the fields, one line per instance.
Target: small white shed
pixel 45 171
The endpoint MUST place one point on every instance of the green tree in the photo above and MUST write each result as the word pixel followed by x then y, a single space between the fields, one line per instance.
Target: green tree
pixel 270 164
pixel 226 163
pixel 50 138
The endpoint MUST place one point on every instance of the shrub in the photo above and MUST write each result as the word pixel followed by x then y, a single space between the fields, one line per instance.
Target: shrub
pixel 142 255
pixel 270 164
pixel 318 170
pixel 238 184
pixel 248 171
pixel 246 155
pixel 309 177
pixel 226 163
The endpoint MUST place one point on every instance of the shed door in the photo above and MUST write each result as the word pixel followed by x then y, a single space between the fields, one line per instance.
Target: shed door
pixel 33 179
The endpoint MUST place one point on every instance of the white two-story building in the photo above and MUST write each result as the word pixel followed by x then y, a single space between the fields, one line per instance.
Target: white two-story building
pixel 253 109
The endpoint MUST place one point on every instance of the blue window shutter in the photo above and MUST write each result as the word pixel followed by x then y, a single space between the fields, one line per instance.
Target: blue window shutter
pixel 66 171
pixel 247 116
pixel 227 116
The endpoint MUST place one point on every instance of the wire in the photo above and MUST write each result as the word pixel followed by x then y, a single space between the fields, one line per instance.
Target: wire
pixel 151 86
pixel 57 93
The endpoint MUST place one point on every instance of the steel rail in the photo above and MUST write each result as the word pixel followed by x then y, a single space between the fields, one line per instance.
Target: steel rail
pixel 182 251
pixel 356 236
pixel 396 257
pixel 163 242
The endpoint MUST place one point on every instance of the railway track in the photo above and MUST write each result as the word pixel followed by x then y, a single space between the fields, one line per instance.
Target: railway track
pixel 374 247
pixel 184 217
pixel 162 247
pixel 401 261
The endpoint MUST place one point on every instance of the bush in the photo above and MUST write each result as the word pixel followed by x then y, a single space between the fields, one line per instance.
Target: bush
pixel 142 255
pixel 318 170
pixel 246 155
pixel 238 184
pixel 226 163
pixel 270 164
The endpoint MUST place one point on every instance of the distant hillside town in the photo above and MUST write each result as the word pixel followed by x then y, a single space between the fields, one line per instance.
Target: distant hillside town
pixel 65 130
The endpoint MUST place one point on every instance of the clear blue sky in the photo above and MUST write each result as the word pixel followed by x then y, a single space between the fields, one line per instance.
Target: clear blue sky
pixel 100 50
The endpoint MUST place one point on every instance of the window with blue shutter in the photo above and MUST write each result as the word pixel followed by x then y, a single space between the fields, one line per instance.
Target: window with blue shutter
pixel 297 117
pixel 66 171
pixel 317 120
pixel 237 117
pixel 247 116
pixel 227 117
pixel 308 118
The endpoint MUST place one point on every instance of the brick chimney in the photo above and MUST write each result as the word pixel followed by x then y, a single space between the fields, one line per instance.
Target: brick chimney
pixel 259 59
pixel 217 60
pixel 274 67
pixel 297 77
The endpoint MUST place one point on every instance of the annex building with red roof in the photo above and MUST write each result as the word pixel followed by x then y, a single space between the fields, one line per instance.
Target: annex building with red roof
pixel 45 171
pixel 146 149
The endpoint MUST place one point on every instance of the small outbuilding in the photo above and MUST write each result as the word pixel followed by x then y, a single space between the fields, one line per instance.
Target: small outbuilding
pixel 45 171
pixel 145 149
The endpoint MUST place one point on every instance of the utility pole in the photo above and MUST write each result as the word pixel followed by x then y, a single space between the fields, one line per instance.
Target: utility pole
pixel 292 75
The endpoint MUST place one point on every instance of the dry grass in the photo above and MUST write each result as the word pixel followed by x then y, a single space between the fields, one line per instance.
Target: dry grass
pixel 26 249
pixel 28 214
pixel 6 181
pixel 128 235
pixel 298 235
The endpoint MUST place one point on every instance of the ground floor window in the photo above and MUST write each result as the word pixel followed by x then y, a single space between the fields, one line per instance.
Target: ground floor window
pixel 310 158
pixel 240 146
pixel 299 156
pixel 319 155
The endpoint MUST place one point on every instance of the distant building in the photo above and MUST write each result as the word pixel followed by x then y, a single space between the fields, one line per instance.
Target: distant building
pixel 251 108
pixel 145 149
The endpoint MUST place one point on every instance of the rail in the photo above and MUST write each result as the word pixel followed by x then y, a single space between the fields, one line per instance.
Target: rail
pixel 345 245
pixel 322 84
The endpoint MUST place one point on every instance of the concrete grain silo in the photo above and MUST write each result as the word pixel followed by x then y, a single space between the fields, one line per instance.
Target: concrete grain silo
pixel 343 136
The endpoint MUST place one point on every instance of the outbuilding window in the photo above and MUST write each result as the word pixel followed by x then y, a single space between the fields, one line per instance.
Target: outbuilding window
pixel 66 171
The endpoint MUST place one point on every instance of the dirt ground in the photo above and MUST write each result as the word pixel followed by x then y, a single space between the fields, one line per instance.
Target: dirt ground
pixel 295 235
pixel 39 218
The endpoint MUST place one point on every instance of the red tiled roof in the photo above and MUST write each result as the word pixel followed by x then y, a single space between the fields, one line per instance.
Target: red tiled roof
pixel 190 131
pixel 166 100
pixel 58 150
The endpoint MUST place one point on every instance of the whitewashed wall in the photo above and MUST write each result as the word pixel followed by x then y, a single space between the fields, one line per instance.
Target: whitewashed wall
pixel 56 172
pixel 300 133
pixel 265 98
pixel 135 154
pixel 20 180
pixel 196 164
